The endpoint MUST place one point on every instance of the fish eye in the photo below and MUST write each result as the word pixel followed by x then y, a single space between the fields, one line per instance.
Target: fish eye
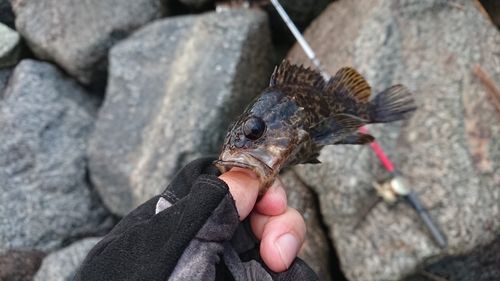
pixel 253 128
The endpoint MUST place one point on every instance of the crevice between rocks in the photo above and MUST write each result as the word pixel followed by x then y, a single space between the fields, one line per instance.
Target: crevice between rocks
pixel 103 216
pixel 335 270
pixel 481 263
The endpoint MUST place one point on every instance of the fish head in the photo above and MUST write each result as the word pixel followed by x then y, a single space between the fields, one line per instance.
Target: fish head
pixel 264 136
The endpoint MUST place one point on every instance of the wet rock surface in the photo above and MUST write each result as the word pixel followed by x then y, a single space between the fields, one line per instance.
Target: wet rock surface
pixel 447 149
pixel 174 87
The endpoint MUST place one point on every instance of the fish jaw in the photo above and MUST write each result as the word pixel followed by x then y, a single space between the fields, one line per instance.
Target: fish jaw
pixel 260 161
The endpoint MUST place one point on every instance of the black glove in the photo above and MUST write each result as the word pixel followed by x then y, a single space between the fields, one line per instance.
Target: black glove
pixel 190 232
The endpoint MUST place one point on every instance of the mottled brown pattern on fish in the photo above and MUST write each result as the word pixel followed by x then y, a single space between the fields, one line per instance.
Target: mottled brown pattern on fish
pixel 299 113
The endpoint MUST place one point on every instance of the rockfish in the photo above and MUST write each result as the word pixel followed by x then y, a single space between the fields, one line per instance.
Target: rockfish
pixel 300 113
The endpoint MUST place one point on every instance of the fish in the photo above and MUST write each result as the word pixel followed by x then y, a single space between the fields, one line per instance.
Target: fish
pixel 300 112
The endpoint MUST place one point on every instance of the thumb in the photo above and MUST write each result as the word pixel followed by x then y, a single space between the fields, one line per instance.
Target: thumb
pixel 244 187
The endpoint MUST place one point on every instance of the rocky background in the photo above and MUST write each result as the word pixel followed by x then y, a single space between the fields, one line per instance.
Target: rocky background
pixel 102 102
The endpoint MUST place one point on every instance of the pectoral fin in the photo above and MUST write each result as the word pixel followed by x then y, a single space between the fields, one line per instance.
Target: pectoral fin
pixel 313 159
pixel 357 138
pixel 336 128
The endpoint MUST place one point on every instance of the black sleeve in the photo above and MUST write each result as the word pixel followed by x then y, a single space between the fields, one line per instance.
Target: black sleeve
pixel 186 233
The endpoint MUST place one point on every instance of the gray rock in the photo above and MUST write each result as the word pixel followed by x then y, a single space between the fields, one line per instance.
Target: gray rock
pixel 78 34
pixel 45 121
pixel 174 87
pixel 316 250
pixel 448 149
pixel 10 47
pixel 62 265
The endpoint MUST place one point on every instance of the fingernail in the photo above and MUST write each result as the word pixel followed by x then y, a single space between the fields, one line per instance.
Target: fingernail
pixel 288 247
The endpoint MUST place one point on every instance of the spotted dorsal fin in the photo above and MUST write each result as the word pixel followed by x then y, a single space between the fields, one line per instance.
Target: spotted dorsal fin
pixel 288 73
pixel 349 83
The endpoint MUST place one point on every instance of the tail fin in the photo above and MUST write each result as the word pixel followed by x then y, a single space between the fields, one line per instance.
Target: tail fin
pixel 392 104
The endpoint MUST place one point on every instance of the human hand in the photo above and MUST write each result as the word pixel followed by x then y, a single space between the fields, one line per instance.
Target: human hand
pixel 280 228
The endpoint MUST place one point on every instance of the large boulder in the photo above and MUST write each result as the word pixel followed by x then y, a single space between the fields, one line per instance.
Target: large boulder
pixel 63 264
pixel 448 150
pixel 173 89
pixel 45 200
pixel 77 34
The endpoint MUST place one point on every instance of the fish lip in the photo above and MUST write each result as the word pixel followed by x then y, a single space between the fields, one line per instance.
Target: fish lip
pixel 260 168
pixel 223 164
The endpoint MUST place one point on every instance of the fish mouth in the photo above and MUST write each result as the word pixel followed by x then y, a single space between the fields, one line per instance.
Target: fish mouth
pixel 230 158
